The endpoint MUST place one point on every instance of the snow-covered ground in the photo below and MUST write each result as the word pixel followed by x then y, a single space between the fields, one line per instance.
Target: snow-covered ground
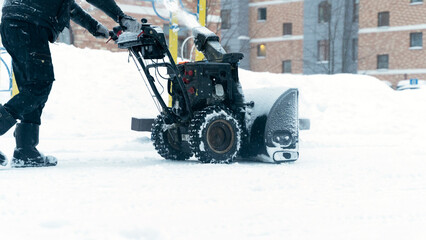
pixel 361 172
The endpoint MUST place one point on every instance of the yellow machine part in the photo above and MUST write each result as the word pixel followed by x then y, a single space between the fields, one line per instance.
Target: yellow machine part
pixel 173 35
pixel 202 13
pixel 173 44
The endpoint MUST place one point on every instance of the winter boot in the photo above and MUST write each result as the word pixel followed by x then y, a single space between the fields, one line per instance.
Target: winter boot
pixel 26 154
pixel 6 122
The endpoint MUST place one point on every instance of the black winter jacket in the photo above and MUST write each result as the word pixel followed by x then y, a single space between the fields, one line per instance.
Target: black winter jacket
pixel 56 14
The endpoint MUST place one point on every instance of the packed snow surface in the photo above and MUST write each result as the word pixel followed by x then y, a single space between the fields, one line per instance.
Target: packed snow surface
pixel 361 172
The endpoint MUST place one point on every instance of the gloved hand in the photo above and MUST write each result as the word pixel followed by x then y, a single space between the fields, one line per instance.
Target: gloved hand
pixel 130 24
pixel 102 32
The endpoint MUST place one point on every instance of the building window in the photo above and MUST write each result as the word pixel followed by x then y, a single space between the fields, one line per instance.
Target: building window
pixel 383 19
pixel 287 29
pixel 261 14
pixel 355 49
pixel 225 15
pixel 261 50
pixel 323 50
pixel 383 61
pixel 287 66
pixel 324 12
pixel 356 11
pixel 416 39
pixel 416 1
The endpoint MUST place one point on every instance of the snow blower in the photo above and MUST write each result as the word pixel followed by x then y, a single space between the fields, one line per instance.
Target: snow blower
pixel 208 116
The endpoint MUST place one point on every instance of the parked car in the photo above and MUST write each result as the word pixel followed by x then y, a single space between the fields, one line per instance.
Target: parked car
pixel 410 84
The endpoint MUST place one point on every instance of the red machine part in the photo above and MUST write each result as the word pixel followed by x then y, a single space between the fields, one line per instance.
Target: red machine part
pixel 192 90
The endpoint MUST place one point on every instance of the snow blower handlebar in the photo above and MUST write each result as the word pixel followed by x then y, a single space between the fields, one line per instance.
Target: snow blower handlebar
pixel 150 44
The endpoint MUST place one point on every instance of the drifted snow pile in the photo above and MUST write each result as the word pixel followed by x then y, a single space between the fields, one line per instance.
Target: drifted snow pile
pixel 361 172
pixel 346 109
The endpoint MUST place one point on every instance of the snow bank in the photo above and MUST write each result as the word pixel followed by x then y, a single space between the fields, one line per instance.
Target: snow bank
pixel 348 105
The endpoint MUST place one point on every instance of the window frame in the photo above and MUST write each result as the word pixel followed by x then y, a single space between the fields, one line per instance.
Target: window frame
pixel 323 51
pixel 383 19
pixel 380 63
pixel 225 14
pixel 284 66
pixel 355 14
pixel 324 12
pixel 289 29
pixel 259 14
pixel 416 2
pixel 355 49
pixel 412 35
pixel 259 50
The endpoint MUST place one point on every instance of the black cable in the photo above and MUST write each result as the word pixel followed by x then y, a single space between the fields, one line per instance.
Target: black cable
pixel 156 77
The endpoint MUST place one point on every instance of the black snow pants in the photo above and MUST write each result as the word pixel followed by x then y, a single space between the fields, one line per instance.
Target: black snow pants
pixel 28 45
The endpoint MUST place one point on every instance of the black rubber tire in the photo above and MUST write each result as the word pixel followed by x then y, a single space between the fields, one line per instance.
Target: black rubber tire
pixel 215 135
pixel 163 143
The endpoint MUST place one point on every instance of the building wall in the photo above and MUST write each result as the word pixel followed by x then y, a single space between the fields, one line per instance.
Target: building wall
pixel 402 12
pixel 270 33
pixel 276 53
pixel 405 18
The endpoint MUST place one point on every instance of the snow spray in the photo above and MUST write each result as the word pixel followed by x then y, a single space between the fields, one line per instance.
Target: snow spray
pixel 184 17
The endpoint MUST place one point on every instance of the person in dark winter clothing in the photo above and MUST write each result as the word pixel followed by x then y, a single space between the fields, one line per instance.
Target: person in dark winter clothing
pixel 27 27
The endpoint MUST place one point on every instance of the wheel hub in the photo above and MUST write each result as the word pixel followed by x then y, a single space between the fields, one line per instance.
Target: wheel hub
pixel 220 136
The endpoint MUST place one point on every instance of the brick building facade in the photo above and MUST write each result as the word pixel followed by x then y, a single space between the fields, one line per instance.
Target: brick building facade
pixel 385 37
pixel 276 35
pixel 391 39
